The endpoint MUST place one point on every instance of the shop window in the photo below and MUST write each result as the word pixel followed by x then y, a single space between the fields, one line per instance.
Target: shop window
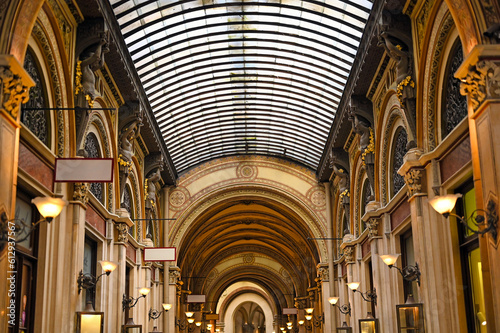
pixel 399 151
pixel 127 204
pixel 472 277
pixel 26 268
pixel 407 259
pixel 454 108
pixel 93 151
pixel 89 267
pixel 34 114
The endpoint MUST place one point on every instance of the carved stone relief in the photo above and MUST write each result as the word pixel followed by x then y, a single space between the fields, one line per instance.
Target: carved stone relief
pixel 122 232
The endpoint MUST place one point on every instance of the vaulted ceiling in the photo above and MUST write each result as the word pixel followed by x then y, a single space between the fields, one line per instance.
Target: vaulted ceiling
pixel 243 77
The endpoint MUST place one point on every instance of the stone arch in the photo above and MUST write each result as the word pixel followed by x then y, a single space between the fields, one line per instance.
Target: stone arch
pixel 443 32
pixel 198 207
pixel 42 33
pixel 392 118
pixel 238 301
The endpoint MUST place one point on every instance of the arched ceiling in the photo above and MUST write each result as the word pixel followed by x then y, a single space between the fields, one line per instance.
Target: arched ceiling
pixel 253 240
pixel 243 77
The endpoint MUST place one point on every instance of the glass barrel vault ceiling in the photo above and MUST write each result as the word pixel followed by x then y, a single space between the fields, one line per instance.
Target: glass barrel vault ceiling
pixel 243 77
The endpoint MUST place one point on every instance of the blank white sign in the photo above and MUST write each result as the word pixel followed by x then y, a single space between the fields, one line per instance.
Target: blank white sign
pixel 195 299
pixel 84 170
pixel 289 311
pixel 159 254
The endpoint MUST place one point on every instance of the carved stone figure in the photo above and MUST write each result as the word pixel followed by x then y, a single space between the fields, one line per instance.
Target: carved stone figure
pixel 361 127
pixel 151 181
pixel 92 59
pixel 130 124
pixel 401 52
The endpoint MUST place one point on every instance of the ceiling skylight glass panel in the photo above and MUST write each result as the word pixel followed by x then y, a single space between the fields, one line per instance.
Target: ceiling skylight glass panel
pixel 218 73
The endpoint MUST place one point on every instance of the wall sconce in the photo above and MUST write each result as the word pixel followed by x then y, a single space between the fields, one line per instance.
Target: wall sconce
pixel 89 321
pixel 481 318
pixel 155 314
pixel 409 273
pixel 445 204
pixel 182 323
pixel 88 281
pixel 130 302
pixel 49 209
pixel 368 325
pixel 344 328
pixel 316 321
pixel 344 309
pixel 410 316
pixel 369 296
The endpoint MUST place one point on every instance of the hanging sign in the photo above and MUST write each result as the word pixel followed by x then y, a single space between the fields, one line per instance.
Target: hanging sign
pixel 160 254
pixel 83 170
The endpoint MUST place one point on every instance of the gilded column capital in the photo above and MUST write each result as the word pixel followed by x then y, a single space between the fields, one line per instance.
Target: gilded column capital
pixel 15 83
pixel 372 226
pixel 323 273
pixel 122 232
pixel 413 180
pixel 349 254
pixel 81 192
pixel 480 74
pixel 175 275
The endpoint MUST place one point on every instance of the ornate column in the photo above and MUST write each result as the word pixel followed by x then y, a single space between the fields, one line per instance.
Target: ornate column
pixel 14 88
pixel 169 317
pixel 122 227
pixel 480 76
pixel 329 321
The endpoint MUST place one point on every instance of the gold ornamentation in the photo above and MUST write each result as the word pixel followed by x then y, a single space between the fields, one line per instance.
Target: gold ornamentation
pixel 13 91
pixel 370 148
pixel 413 181
pixel 345 193
pixel 78 78
pixel 124 163
pixel 407 81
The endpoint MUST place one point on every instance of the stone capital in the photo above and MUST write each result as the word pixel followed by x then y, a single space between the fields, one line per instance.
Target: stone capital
pixel 15 83
pixel 480 74
pixel 122 232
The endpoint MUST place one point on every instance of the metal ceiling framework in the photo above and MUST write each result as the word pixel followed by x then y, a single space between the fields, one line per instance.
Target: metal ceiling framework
pixel 254 77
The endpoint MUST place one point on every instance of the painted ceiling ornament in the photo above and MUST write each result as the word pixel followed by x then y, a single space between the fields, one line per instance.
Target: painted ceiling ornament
pixel 394 37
